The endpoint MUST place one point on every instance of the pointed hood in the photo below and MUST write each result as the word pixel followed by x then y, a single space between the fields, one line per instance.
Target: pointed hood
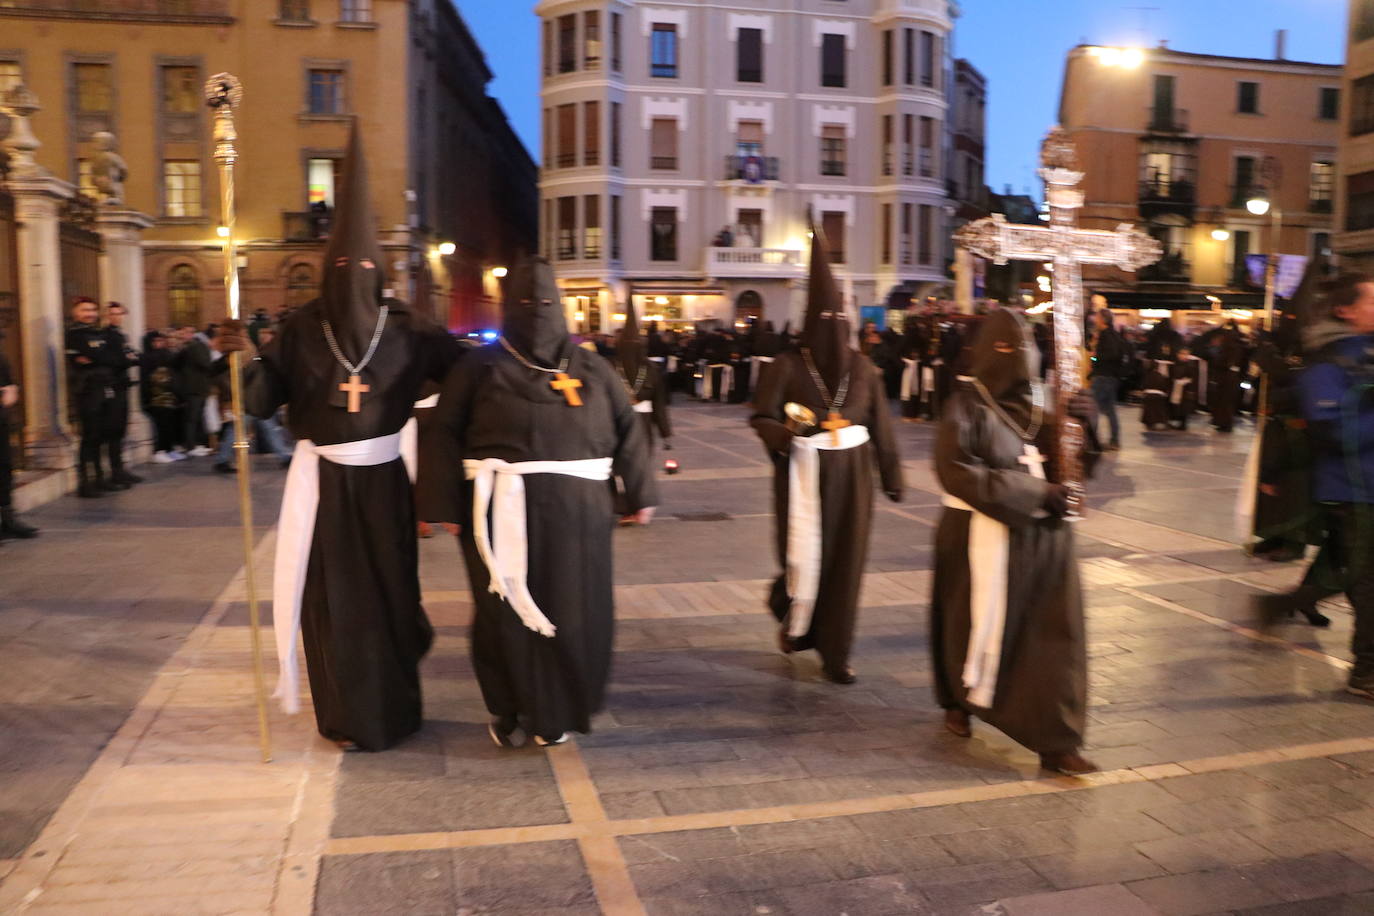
pixel 1298 311
pixel 629 349
pixel 532 313
pixel 353 277
pixel 825 331
pixel 1004 358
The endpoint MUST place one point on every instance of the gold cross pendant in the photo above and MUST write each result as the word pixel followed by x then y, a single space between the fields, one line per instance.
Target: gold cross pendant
pixel 568 387
pixel 355 389
pixel 834 423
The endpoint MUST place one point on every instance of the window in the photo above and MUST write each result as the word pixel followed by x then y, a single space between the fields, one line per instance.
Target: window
pixel 663 143
pixel 591 133
pixel 908 156
pixel 1240 247
pixel 566 156
pixel 663 234
pixel 930 53
pixel 909 57
pixel 1362 106
pixel 749 138
pixel 750 228
pixel 1321 245
pixel 567 43
pixel 832 61
pixel 548 47
pixel 615 135
pixel 1328 103
pixel 832 149
pixel 927 147
pixel 924 251
pixel 1362 20
pixel 567 228
pixel 181 188
pixel 547 146
pixel 1247 97
pixel 591 220
pixel 11 75
pixel 1359 202
pixel 355 10
pixel 1244 182
pixel 1321 187
pixel 181 90
pixel 663 50
pixel 887 144
pixel 906 234
pixel 321 178
pixel 183 296
pixel 832 226
pixel 615 227
pixel 887 57
pixel 749 56
pixel 300 285
pixel 1164 102
pixel 615 42
pixel 591 40
pixel 94 88
pixel 327 92
pixel 886 232
pixel 294 10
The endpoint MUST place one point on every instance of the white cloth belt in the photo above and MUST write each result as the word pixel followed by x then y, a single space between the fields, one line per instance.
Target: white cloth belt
pixel 804 520
pixel 410 437
pixel 296 533
pixel 644 406
pixel 1176 397
pixel 672 364
pixel 1201 381
pixel 754 369
pixel 499 486
pixel 927 382
pixel 908 378
pixel 989 554
pixel 727 379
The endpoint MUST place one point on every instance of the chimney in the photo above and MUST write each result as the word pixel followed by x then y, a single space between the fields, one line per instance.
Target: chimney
pixel 1281 44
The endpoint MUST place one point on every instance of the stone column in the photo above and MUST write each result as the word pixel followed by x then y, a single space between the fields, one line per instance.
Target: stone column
pixel 963 280
pixel 121 280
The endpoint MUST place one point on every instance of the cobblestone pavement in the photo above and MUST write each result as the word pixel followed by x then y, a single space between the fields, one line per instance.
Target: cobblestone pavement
pixel 722 778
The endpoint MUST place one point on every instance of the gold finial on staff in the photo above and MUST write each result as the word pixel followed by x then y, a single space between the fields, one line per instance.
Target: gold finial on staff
pixel 224 93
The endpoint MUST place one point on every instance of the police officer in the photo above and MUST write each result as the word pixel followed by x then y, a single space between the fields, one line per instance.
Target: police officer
pixel 92 381
pixel 10 525
pixel 121 359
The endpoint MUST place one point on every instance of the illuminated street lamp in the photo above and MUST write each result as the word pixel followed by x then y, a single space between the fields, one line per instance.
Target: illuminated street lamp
pixel 499 273
pixel 1258 205
pixel 1220 234
pixel 447 248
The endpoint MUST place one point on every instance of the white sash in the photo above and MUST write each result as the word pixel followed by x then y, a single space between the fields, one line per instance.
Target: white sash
pixel 296 533
pixel 804 520
pixel 908 378
pixel 727 379
pixel 927 382
pixel 1176 397
pixel 644 406
pixel 705 382
pixel 754 369
pixel 499 486
pixel 410 437
pixel 1201 381
pixel 672 364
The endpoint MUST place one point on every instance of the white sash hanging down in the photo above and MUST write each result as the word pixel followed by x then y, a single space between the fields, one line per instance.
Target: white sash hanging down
pixel 908 378
pixel 1201 381
pixel 1176 396
pixel 296 533
pixel 499 485
pixel 704 381
pixel 410 437
pixel 644 406
pixel 928 379
pixel 804 521
pixel 754 370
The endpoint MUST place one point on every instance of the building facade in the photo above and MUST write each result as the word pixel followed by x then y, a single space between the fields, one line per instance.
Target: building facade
pixel 1179 143
pixel 968 119
pixel 686 146
pixel 1354 240
pixel 445 166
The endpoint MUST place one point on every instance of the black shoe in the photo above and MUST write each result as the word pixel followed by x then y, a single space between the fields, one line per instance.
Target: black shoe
pixel 123 476
pixel 1270 610
pixel 12 527
pixel 543 741
pixel 1315 617
pixel 113 486
pixel 844 675
pixel 88 490
pixel 1361 685
pixel 224 467
pixel 503 729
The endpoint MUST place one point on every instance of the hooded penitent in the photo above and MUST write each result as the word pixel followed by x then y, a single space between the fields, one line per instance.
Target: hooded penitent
pixel 1004 360
pixel 629 347
pixel 351 291
pixel 826 330
pixel 533 319
pixel 1298 310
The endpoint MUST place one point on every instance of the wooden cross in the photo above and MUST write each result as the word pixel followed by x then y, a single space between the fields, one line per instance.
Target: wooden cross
pixel 1034 461
pixel 568 386
pixel 834 423
pixel 355 389
pixel 1069 248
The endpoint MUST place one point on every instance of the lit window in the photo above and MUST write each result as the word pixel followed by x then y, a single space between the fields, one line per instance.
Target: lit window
pixel 180 90
pixel 355 10
pixel 94 88
pixel 11 75
pixel 321 177
pixel 181 188
pixel 183 296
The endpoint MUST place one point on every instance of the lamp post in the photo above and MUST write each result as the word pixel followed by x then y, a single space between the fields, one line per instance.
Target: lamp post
pixel 1259 205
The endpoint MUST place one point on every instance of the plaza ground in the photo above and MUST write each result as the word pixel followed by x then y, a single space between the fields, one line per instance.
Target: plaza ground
pixel 722 778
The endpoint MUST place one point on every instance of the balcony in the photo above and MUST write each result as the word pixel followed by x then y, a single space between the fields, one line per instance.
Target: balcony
pixel 1163 120
pixel 751 169
pixel 307 226
pixel 1172 268
pixel 754 263
pixel 1319 206
pixel 1164 195
pixel 202 11
pixel 1241 193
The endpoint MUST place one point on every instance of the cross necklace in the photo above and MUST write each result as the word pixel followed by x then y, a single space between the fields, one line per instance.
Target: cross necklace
pixel 833 422
pixel 561 382
pixel 354 386
pixel 633 390
pixel 1031 457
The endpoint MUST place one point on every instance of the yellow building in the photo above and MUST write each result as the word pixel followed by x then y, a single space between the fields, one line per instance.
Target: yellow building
pixel 1354 241
pixel 1179 143
pixel 443 161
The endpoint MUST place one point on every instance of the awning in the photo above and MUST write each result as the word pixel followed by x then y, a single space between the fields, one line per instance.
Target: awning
pixel 674 288
pixel 1179 302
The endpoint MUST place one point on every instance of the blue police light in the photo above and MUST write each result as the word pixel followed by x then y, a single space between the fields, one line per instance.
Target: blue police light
pixel 489 336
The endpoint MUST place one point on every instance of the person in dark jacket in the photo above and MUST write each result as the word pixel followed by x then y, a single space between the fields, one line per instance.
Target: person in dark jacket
pixel 1109 359
pixel 195 365
pixel 10 525
pixel 92 368
pixel 1337 397
pixel 159 397
pixel 122 359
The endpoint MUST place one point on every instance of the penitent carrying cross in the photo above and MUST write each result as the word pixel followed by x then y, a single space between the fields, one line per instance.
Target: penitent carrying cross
pixel 1069 248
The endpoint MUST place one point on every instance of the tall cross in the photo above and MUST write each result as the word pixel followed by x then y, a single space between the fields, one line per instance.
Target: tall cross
pixel 1069 248
pixel 568 387
pixel 356 389
pixel 833 423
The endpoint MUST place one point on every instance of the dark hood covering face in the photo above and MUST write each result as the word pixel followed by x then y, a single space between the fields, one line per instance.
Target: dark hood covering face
pixel 826 330
pixel 1004 358
pixel 1297 313
pixel 629 347
pixel 351 289
pixel 533 319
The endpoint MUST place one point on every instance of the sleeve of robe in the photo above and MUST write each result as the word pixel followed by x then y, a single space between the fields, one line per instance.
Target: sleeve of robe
pixel 661 418
pixel 884 440
pixel 767 418
pixel 442 498
pixel 1010 496
pixel 265 387
pixel 631 459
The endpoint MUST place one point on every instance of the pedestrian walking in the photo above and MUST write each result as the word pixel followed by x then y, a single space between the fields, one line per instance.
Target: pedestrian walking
pixel 1109 361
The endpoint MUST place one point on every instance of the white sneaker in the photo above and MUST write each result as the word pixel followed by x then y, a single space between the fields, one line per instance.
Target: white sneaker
pixel 177 455
pixel 199 451
pixel 163 458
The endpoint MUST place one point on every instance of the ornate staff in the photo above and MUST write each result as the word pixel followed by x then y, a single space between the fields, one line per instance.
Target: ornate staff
pixel 224 93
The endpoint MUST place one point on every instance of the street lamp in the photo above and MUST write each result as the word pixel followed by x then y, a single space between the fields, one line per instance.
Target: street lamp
pixel 499 272
pixel 1258 205
pixel 447 248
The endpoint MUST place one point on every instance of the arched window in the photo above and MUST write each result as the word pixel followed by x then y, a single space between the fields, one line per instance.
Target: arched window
pixel 300 285
pixel 749 306
pixel 183 296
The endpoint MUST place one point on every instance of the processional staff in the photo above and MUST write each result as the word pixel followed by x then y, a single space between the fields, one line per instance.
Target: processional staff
pixel 1069 248
pixel 224 93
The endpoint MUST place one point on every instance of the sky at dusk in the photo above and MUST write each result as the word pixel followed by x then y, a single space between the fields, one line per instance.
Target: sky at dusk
pixel 1018 44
